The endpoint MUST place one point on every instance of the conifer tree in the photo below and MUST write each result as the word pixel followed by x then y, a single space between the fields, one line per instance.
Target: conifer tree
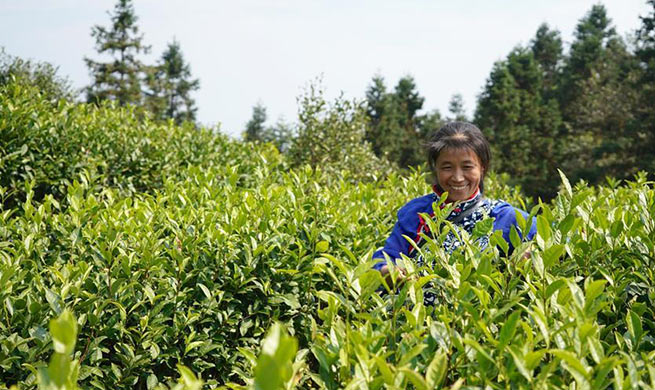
pixel 382 132
pixel 593 34
pixel 255 129
pixel 522 126
pixel 407 102
pixel 170 86
pixel 396 130
pixel 456 108
pixel 120 78
pixel 548 52
pixel 643 128
pixel 597 99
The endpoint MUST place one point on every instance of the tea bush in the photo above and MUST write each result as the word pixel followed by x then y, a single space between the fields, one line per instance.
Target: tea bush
pixel 50 143
pixel 188 257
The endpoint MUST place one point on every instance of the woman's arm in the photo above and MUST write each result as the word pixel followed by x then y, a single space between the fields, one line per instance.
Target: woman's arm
pixel 505 217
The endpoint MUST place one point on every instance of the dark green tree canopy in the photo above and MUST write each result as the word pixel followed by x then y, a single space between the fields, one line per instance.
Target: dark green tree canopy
pixel 170 85
pixel 395 130
pixel 255 129
pixel 593 35
pixel 646 42
pixel 456 108
pixel 407 97
pixel 120 78
pixel 520 123
pixel 548 52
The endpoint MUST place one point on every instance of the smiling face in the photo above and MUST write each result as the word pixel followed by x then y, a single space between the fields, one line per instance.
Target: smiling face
pixel 458 172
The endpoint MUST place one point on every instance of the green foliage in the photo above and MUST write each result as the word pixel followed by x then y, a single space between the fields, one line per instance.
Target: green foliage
pixel 255 128
pixel 396 130
pixel 281 134
pixel 598 97
pixel 274 367
pixel 330 136
pixel 62 372
pixel 588 112
pixel 456 108
pixel 170 86
pixel 643 128
pixel 197 272
pixel 46 145
pixel 548 52
pixel 521 124
pixel 41 75
pixel 120 78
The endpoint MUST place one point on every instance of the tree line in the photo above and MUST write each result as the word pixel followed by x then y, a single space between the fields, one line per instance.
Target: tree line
pixel 163 88
pixel 588 110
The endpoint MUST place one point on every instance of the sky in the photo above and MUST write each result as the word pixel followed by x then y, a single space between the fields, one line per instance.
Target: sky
pixel 268 51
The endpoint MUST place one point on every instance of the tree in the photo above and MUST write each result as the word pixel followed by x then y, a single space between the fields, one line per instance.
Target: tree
pixel 255 129
pixel 598 97
pixel 330 136
pixel 643 127
pixel 521 125
pixel 382 131
pixel 593 34
pixel 456 108
pixel 430 123
pixel 170 85
pixel 548 52
pixel 119 79
pixel 281 134
pixel 396 130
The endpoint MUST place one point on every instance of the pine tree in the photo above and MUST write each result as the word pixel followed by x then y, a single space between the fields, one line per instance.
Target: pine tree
pixel 593 34
pixel 597 97
pixel 407 102
pixel 120 78
pixel 548 52
pixel 430 123
pixel 170 85
pixel 255 129
pixel 456 108
pixel 643 128
pixel 281 134
pixel 395 128
pixel 382 131
pixel 521 125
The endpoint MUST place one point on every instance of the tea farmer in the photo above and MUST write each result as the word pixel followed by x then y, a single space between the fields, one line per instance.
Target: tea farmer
pixel 459 156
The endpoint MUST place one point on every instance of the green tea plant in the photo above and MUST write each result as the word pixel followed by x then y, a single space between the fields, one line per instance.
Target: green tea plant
pixel 51 143
pixel 62 372
pixel 218 262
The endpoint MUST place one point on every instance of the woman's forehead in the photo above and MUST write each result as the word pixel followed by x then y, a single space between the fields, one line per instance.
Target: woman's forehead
pixel 461 153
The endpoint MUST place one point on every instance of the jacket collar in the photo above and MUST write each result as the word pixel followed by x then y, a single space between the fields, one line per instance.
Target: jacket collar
pixel 462 205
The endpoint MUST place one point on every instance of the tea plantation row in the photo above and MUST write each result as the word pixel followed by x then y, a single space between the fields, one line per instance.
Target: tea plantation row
pixel 171 252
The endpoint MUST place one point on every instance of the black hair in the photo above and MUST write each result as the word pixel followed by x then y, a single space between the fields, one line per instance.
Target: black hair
pixel 459 135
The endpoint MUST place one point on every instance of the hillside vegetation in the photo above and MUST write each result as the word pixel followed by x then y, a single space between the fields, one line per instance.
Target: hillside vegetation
pixel 172 245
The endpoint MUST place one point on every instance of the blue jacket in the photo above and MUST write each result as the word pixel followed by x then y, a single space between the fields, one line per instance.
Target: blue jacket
pixel 411 224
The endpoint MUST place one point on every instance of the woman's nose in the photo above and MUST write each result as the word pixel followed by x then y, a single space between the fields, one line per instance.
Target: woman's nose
pixel 458 175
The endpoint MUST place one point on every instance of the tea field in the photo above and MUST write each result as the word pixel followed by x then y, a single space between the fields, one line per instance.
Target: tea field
pixel 141 255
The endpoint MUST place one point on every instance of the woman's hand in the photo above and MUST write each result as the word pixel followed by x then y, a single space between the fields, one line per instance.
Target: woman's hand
pixel 400 277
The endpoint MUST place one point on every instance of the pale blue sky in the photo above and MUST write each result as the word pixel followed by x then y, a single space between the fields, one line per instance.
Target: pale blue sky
pixel 247 51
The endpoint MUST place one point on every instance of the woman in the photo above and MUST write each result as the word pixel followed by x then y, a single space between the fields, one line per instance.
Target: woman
pixel 459 156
